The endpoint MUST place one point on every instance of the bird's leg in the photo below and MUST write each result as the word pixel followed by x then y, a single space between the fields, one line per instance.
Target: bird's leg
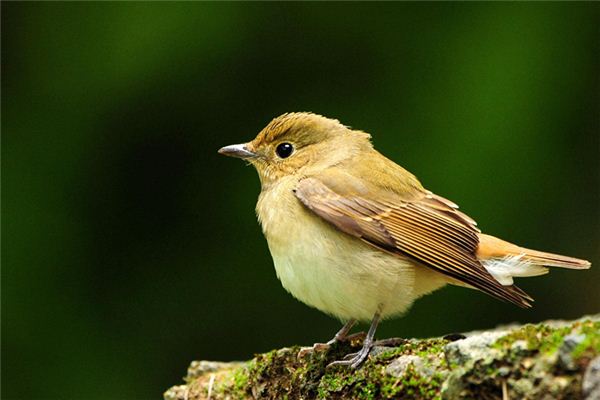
pixel 340 336
pixel 354 360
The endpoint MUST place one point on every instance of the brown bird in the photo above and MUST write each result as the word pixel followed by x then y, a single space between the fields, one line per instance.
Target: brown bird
pixel 356 236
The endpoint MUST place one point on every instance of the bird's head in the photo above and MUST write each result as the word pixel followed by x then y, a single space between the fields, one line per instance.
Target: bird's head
pixel 299 143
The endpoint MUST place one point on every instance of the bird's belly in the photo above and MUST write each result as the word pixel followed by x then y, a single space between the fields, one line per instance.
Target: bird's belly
pixel 342 275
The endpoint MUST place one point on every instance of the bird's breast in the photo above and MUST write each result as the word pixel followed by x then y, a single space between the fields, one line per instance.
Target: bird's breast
pixel 328 269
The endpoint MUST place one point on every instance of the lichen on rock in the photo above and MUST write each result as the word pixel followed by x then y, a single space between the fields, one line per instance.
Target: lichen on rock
pixel 550 360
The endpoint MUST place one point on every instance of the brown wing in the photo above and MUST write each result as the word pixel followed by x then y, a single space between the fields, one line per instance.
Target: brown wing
pixel 426 227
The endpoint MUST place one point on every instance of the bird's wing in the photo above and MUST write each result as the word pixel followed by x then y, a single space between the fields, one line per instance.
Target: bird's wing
pixel 423 226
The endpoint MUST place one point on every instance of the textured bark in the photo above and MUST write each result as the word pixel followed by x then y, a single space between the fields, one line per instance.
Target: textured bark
pixel 550 360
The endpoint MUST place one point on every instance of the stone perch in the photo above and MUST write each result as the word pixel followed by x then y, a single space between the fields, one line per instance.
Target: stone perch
pixel 549 360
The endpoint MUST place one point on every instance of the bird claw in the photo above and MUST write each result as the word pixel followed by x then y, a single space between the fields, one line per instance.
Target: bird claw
pixel 317 347
pixel 322 347
pixel 304 351
pixel 352 360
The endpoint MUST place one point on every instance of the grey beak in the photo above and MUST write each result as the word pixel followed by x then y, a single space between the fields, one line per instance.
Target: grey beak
pixel 237 150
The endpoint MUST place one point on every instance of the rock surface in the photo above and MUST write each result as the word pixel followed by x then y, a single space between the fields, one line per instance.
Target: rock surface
pixel 550 360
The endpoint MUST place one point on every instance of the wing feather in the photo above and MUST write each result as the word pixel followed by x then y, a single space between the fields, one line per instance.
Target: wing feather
pixel 427 228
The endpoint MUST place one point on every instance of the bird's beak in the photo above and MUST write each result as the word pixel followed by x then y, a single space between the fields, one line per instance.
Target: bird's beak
pixel 237 150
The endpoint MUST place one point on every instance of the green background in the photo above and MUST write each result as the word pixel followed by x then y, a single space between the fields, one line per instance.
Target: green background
pixel 131 248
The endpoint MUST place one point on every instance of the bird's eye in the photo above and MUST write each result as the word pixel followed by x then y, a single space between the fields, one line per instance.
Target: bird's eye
pixel 284 150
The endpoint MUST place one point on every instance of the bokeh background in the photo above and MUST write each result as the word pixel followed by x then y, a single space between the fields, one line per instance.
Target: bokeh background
pixel 131 248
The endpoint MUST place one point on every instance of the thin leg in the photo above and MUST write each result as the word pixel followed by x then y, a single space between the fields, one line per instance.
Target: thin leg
pixel 342 334
pixel 354 360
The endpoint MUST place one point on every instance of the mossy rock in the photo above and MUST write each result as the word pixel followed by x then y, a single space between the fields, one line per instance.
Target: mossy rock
pixel 550 360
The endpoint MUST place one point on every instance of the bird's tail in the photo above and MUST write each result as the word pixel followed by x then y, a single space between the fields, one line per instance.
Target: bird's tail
pixel 505 260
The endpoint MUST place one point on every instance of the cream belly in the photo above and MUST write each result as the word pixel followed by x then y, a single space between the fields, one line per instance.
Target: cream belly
pixel 335 272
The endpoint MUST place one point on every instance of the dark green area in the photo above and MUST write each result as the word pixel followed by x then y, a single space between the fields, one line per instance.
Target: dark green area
pixel 130 247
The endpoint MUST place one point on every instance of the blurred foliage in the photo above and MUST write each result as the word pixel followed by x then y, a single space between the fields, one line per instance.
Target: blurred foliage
pixel 131 247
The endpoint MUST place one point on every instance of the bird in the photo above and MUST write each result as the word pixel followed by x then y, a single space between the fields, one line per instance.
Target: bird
pixel 358 237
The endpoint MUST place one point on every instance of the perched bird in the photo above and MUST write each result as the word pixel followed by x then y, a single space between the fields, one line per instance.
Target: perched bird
pixel 356 236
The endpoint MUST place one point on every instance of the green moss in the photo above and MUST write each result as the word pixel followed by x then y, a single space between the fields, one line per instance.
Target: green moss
pixel 420 348
pixel 542 341
pixel 240 382
pixel 543 338
pixel 329 384
pixel 590 346
pixel 547 339
pixel 281 374
pixel 371 381
pixel 374 384
pixel 411 385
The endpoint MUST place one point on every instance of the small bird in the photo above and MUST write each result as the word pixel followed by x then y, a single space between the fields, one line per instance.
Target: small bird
pixel 358 237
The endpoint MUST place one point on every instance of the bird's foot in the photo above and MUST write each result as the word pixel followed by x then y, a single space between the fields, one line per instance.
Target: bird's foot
pixel 317 347
pixel 322 347
pixel 354 360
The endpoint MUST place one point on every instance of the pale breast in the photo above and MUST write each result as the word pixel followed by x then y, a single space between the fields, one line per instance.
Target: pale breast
pixel 332 271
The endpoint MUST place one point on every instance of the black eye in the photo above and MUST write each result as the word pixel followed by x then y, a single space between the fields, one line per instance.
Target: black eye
pixel 284 150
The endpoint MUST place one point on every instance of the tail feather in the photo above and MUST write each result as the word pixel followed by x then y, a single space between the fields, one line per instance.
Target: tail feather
pixel 554 260
pixel 504 260
pixel 509 267
pixel 493 248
